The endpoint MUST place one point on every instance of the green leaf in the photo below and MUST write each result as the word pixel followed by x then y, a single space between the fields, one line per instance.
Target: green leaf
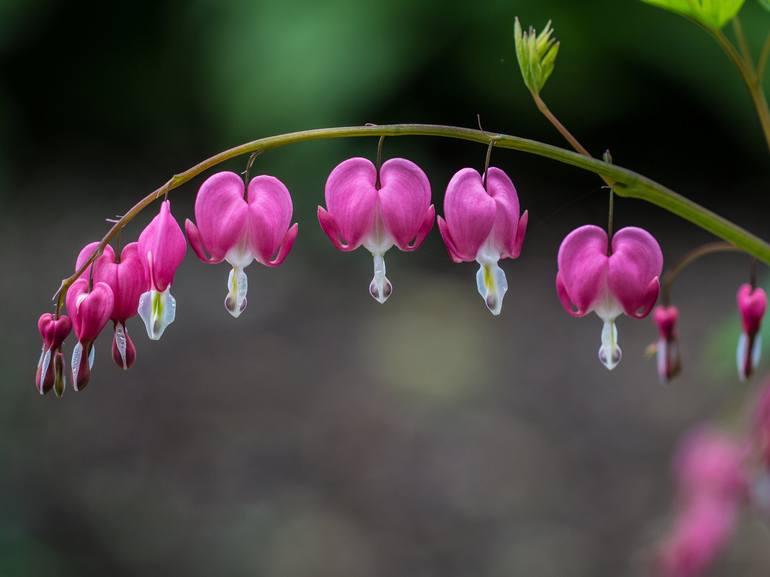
pixel 765 4
pixel 536 54
pixel 710 13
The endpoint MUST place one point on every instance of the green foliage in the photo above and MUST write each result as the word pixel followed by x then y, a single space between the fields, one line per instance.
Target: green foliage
pixel 765 4
pixel 710 13
pixel 536 54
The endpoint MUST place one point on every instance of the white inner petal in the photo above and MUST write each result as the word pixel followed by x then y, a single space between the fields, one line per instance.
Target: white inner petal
pixel 610 353
pixel 120 342
pixel 237 287
pixel 44 364
pixel 91 356
pixel 380 288
pixel 77 353
pixel 157 310
pixel 492 285
pixel 240 255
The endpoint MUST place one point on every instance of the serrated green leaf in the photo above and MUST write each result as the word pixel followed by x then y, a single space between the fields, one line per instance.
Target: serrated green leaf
pixel 536 54
pixel 711 13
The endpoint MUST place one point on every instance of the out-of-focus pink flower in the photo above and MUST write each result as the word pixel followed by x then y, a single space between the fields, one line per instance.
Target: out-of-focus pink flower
pixel 239 229
pixel 711 464
pixel 377 211
pixel 624 279
pixel 90 310
pixel 752 304
pixel 669 363
pixel 161 249
pixel 50 368
pixel 701 532
pixel 482 223
pixel 126 277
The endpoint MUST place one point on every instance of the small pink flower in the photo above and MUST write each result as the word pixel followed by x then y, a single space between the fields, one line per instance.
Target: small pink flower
pixel 161 249
pixel 669 363
pixel 752 304
pixel 90 310
pixel 609 283
pixel 239 227
pixel 710 464
pixel 377 211
pixel 126 277
pixel 702 531
pixel 50 367
pixel 482 223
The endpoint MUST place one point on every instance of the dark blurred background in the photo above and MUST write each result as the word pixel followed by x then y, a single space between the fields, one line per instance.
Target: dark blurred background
pixel 322 434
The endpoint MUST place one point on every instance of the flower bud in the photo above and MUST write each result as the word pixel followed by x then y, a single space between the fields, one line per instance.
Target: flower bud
pixel 536 54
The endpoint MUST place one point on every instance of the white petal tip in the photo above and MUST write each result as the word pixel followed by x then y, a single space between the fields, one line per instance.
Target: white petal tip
pixel 610 353
pixel 157 310
pixel 237 287
pixel 492 286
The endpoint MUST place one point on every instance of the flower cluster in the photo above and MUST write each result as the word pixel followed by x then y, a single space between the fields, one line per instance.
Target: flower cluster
pixel 375 206
pixel 717 476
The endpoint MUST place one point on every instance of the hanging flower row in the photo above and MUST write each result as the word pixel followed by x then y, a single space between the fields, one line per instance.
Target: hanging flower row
pixel 377 207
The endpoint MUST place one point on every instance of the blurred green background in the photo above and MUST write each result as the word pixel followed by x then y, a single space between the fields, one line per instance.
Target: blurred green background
pixel 321 433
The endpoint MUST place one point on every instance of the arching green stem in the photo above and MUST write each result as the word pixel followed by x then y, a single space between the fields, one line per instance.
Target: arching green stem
pixel 626 182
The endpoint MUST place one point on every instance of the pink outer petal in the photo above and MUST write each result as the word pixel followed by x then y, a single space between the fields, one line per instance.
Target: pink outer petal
pixel 285 248
pixel 330 228
pixel 404 201
pixel 425 227
pixel 220 212
pixel 53 330
pixel 446 236
pixel 469 213
pixel 634 270
pixel 351 201
pixel 501 189
pixel 521 231
pixel 270 210
pixel 583 263
pixel 108 255
pixel 162 247
pixel 128 284
pixel 666 318
pixel 91 312
pixel 752 304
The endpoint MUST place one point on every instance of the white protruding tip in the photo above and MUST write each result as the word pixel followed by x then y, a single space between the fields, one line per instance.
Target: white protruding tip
pixel 237 287
pixel 610 353
pixel 380 287
pixel 492 286
pixel 157 310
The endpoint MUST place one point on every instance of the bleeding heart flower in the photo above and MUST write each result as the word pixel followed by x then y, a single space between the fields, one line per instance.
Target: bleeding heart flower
pixel 125 276
pixel 240 227
pixel 752 304
pixel 377 211
pixel 609 283
pixel 481 222
pixel 161 248
pixel 711 464
pixel 701 533
pixel 50 367
pixel 90 310
pixel 669 363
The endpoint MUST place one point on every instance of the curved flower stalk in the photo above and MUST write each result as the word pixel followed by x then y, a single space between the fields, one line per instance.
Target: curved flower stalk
pixel 90 309
pixel 50 368
pixel 125 276
pixel 482 223
pixel 667 350
pixel 161 249
pixel 240 226
pixel 752 304
pixel 609 282
pixel 377 209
